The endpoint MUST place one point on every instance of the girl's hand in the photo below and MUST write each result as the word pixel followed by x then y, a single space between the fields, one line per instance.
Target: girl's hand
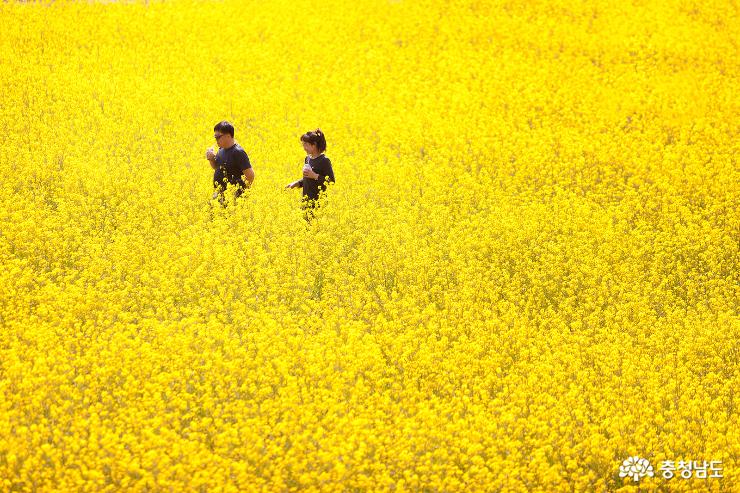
pixel 292 185
pixel 309 173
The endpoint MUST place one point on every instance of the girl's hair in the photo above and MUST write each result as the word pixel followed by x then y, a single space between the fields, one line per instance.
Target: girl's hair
pixel 315 137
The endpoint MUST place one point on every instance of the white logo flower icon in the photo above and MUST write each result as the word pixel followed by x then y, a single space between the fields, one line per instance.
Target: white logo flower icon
pixel 636 468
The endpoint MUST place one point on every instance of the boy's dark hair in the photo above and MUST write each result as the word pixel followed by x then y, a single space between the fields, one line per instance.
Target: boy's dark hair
pixel 315 137
pixel 225 128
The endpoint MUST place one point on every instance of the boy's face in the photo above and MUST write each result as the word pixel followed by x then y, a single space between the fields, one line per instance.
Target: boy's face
pixel 220 138
pixel 223 140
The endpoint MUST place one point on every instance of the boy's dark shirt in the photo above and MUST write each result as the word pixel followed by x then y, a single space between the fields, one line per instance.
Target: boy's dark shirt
pixel 322 166
pixel 231 163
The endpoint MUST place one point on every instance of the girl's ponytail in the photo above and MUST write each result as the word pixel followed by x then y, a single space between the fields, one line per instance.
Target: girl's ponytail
pixel 315 137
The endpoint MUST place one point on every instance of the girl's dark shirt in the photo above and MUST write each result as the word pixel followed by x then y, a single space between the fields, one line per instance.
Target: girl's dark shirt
pixel 322 166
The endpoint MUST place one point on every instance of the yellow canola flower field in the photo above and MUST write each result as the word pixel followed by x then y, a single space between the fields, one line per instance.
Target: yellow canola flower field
pixel 525 273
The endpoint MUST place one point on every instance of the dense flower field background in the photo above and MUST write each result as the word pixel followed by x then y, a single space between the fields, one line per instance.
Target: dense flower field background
pixel 526 272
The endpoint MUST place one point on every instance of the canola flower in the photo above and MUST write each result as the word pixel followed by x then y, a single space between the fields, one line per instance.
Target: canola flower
pixel 526 273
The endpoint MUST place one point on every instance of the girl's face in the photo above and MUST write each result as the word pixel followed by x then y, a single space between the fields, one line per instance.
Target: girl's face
pixel 310 148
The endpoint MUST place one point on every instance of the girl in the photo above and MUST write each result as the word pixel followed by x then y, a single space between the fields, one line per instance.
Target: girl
pixel 317 170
